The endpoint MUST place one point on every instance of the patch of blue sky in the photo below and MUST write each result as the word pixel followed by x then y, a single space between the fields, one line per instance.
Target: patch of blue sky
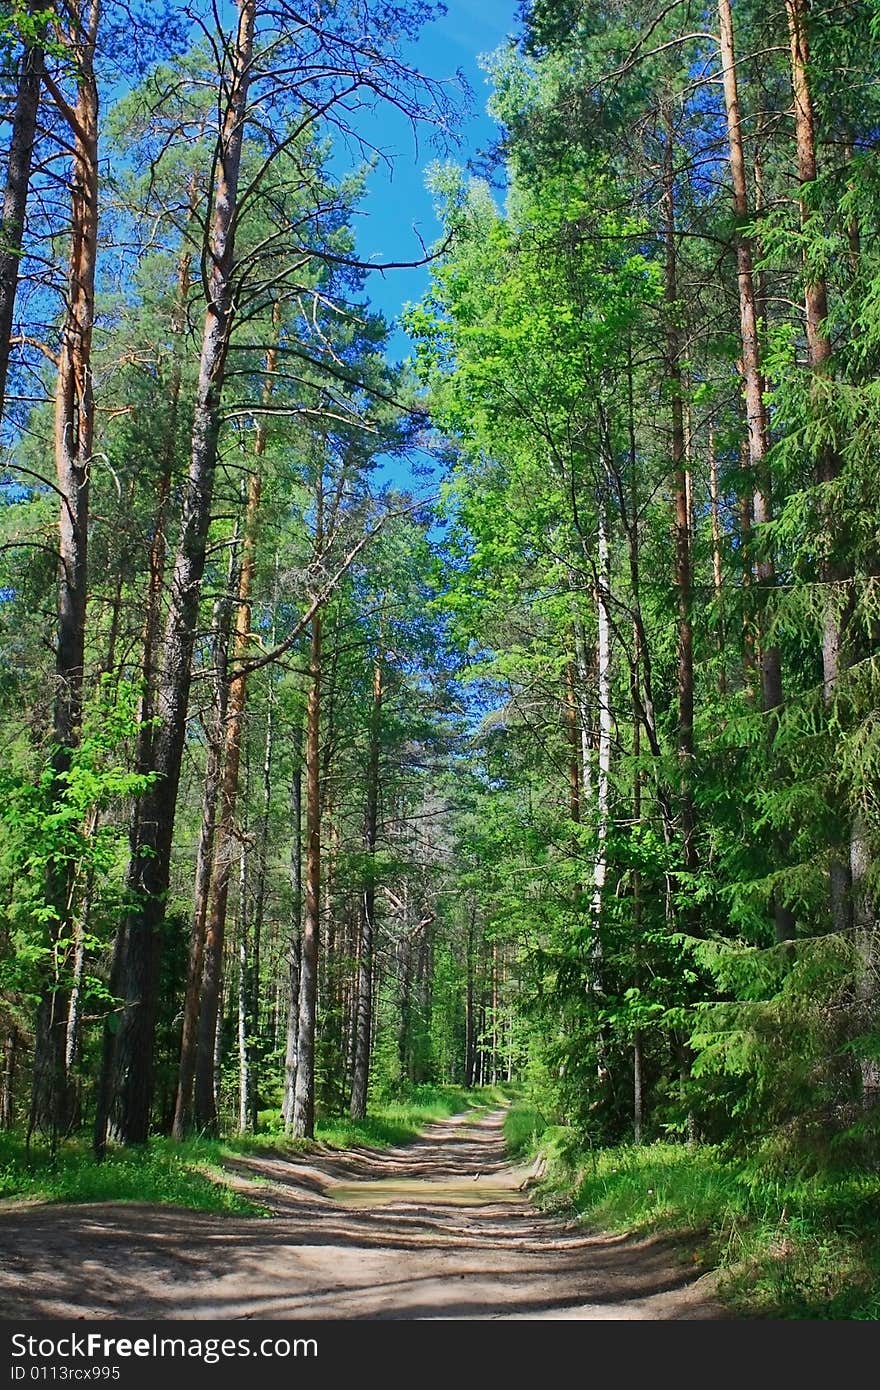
pixel 396 220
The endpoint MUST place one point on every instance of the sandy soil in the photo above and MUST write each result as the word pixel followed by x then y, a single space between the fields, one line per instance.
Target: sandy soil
pixel 436 1229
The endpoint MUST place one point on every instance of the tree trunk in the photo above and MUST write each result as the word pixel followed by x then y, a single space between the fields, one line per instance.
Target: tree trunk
pixel 245 1078
pixel 682 519
pixel 470 1030
pixel 828 463
pixel 638 1080
pixel 303 1117
pixel 7 1080
pixel 717 577
pixel 214 840
pixel 603 771
pixel 18 175
pixel 753 380
pixel 757 425
pixel 364 1002
pixel 867 1001
pixel 204 866
pixel 582 686
pixel 215 929
pixel 73 1033
pixel 158 540
pixel 574 745
pixel 74 440
pixel 127 1070
pixel 294 947
pixel 262 847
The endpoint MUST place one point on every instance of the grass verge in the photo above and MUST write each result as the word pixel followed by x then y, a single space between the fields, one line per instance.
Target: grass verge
pixel 186 1175
pixel 795 1247
pixel 191 1174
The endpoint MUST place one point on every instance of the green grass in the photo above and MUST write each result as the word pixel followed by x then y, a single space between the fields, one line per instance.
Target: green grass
pixel 399 1121
pixel 523 1127
pixel 785 1247
pixel 191 1174
pixel 187 1175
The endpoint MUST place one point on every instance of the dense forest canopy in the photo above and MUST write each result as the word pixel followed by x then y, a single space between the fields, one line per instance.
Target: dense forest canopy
pixel 314 781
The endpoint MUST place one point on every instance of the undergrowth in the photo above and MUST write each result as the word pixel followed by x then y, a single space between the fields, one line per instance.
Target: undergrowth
pixel 786 1246
pixel 191 1174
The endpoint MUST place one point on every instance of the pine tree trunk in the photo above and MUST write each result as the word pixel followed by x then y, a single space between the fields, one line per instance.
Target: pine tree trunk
pixel 683 581
pixel 125 1093
pixel 74 441
pixel 245 1078
pixel 364 1002
pixel 215 928
pixel 638 1092
pixel 7 1080
pixel 294 946
pixel 867 939
pixel 753 380
pixel 470 1031
pixel 204 865
pixel 260 890
pixel 151 631
pixel 303 1117
pixel 20 160
pixel 757 424
pixel 717 576
pixel 828 464
pixel 18 176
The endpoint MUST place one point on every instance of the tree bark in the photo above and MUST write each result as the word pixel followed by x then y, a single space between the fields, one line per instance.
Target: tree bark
pixel 364 999
pixel 294 945
pixel 260 890
pixel 717 577
pixel 828 463
pixel 603 768
pixel 151 631
pixel 215 928
pixel 752 375
pixel 127 1071
pixel 683 580
pixel 245 1077
pixel 7 1080
pixel 204 865
pixel 74 440
pixel 867 993
pixel 574 745
pixel 757 424
pixel 303 1117
pixel 18 176
pixel 470 1028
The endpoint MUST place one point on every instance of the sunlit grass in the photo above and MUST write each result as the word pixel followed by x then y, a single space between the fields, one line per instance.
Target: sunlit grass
pixel 192 1174
pixel 187 1175
pixel 786 1247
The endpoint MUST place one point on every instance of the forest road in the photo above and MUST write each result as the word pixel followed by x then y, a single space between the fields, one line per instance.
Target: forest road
pixel 439 1228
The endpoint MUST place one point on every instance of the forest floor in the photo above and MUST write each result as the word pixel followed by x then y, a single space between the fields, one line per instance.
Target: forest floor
pixel 440 1228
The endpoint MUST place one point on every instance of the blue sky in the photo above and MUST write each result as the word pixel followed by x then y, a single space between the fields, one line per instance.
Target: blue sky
pixel 397 207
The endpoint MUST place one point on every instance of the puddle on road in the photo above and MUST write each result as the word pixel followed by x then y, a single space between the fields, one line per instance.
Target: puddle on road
pixel 461 1192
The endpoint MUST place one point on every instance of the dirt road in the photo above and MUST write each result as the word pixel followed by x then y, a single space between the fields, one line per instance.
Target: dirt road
pixel 436 1229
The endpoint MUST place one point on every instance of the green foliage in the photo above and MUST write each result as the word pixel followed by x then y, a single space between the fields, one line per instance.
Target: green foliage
pixel 60 824
pixel 523 1127
pixel 191 1174
pixel 185 1175
pixel 786 1246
